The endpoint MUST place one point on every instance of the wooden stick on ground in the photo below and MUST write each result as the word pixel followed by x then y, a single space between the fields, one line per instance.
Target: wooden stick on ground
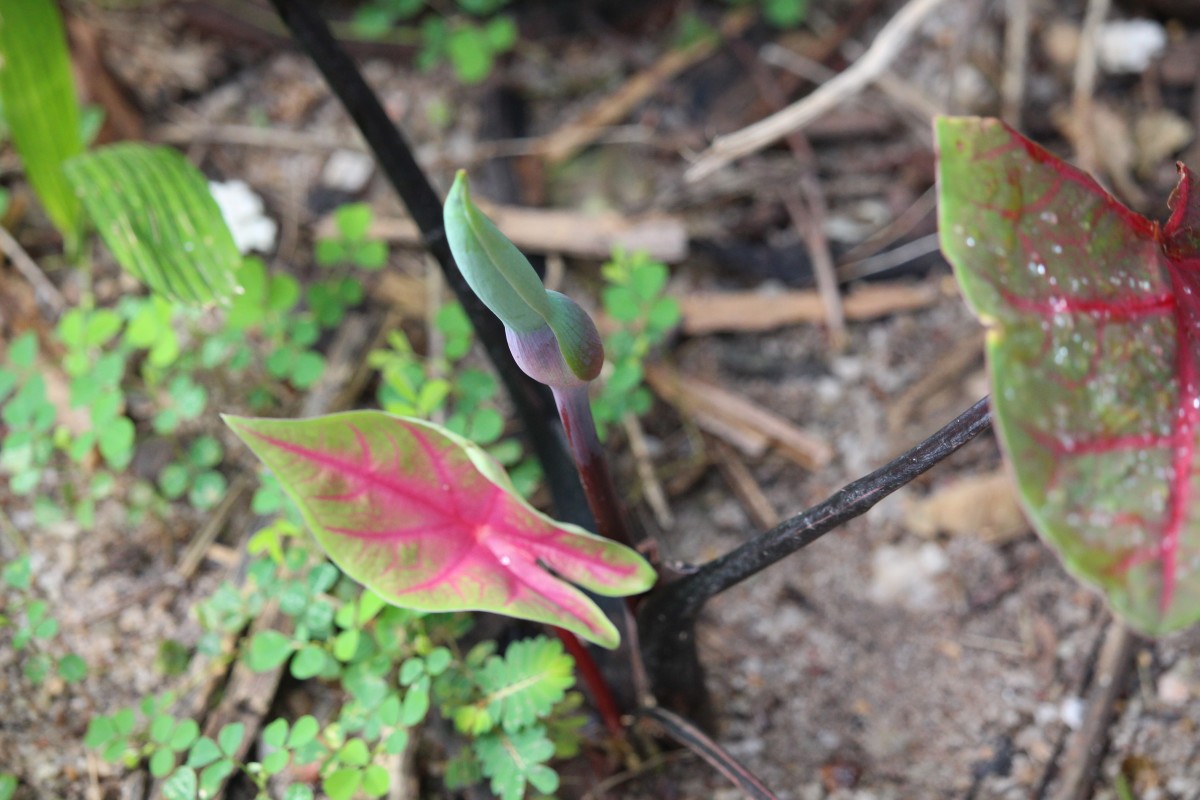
pixel 1086 154
pixel 568 233
pixel 1087 748
pixel 569 140
pixel 1016 57
pixel 806 206
pixel 736 419
pixel 752 311
pixel 874 62
pixel 46 292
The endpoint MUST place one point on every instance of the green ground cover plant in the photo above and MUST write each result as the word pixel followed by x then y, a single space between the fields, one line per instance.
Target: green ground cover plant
pixel 470 39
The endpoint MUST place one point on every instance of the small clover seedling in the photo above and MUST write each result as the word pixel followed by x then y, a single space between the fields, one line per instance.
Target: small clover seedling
pixel 634 299
pixel 27 416
pixel 352 245
pixel 196 475
pixel 267 308
pixel 469 45
pixel 1094 349
pixel 395 665
pixel 33 627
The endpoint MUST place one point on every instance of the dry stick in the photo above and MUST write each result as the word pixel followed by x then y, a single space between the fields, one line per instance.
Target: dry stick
pixel 890 259
pixel 903 97
pixel 1085 85
pixel 1086 750
pixel 44 290
pixel 808 218
pixel 886 47
pixel 601 789
pixel 567 141
pixel 889 233
pixel 652 488
pixel 667 618
pixel 695 740
pixel 1016 56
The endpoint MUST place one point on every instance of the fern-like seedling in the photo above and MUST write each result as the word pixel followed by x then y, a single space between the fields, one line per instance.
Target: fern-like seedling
pixel 515 760
pixel 526 683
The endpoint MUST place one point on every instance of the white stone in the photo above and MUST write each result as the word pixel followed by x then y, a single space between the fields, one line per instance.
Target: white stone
pixel 905 574
pixel 1129 45
pixel 348 171
pixel 1071 710
pixel 243 212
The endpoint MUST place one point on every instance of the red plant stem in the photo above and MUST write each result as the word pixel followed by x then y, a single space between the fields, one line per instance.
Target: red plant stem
pixel 575 409
pixel 606 704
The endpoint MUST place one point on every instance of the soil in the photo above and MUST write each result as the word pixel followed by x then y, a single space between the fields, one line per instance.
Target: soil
pixel 895 658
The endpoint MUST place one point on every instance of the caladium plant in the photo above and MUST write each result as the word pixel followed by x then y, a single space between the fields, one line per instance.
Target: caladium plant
pixel 429 520
pixel 1094 350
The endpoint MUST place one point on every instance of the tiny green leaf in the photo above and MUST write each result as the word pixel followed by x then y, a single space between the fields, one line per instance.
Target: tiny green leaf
pixel 230 737
pixel 275 734
pixel 185 735
pixel 100 731
pixel 376 781
pixel 162 762
pixel 268 649
pixel 182 785
pixel 304 730
pixel 342 784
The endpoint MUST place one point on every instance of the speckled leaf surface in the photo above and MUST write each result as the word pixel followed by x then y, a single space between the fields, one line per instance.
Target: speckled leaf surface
pixel 428 520
pixel 1093 314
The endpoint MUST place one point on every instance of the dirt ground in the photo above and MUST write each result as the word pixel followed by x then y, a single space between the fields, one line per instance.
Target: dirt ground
pixel 934 648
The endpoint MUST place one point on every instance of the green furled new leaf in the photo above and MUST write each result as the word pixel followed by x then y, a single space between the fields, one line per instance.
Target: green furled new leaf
pixel 38 95
pixel 1094 349
pixel 157 216
pixel 428 520
pixel 552 338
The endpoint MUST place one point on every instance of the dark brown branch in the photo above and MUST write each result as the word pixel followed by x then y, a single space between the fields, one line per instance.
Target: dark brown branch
pixel 666 621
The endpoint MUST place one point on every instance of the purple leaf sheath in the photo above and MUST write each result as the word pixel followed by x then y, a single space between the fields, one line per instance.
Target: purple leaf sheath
pixel 1094 350
pixel 428 520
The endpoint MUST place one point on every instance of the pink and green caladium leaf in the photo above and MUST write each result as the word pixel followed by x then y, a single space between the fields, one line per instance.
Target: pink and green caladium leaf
pixel 1093 314
pixel 428 520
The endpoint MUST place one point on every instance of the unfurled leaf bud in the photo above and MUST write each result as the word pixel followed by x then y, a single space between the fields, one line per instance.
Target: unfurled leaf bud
pixel 552 339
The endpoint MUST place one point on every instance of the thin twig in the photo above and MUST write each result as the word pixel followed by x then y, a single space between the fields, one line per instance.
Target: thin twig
pixel 1086 750
pixel 888 44
pixel 45 291
pixel 1085 85
pixel 652 488
pixel 882 237
pixel 605 786
pixel 1016 56
pixel 889 259
pixel 807 209
pixel 695 740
